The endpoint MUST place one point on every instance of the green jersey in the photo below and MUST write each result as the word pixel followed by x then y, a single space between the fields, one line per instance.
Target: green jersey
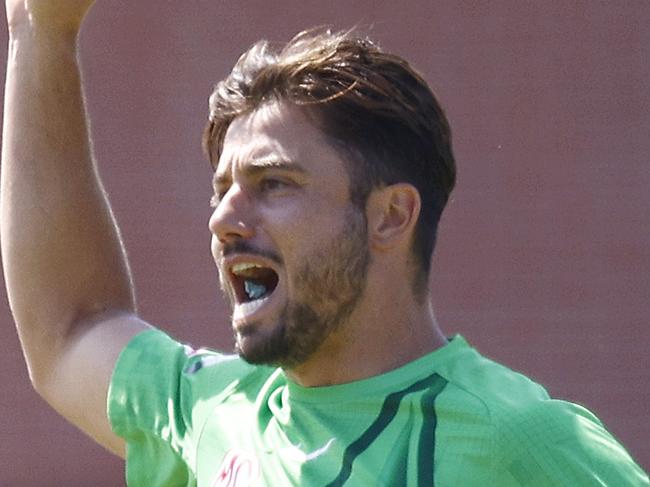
pixel 450 418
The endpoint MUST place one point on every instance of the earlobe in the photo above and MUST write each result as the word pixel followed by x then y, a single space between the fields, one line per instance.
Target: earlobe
pixel 392 214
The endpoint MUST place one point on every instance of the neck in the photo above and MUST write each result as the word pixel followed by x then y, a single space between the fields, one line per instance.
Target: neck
pixel 382 334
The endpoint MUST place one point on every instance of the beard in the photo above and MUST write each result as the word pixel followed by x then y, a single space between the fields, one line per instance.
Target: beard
pixel 329 283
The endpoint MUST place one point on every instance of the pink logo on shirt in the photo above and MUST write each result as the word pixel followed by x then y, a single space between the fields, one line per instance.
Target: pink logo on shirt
pixel 238 469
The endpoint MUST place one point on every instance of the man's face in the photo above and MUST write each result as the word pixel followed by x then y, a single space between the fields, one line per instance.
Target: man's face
pixel 290 247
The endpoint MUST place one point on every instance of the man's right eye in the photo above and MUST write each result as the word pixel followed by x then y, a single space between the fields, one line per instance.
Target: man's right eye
pixel 216 198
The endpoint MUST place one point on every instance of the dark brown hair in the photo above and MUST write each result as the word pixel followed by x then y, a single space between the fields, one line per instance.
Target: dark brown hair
pixel 371 104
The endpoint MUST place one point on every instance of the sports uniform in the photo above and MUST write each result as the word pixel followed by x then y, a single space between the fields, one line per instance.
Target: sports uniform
pixel 450 418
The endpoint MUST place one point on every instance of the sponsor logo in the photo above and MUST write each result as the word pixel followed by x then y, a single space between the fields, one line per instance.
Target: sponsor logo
pixel 238 469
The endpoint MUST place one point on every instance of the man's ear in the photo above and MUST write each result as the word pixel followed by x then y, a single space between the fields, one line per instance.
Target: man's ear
pixel 392 213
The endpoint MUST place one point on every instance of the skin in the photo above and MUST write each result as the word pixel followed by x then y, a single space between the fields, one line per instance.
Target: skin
pixel 66 272
pixel 290 202
pixel 328 283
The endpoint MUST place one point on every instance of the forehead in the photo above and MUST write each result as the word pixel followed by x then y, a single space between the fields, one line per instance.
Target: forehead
pixel 278 132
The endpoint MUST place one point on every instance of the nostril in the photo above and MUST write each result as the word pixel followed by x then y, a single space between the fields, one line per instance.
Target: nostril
pixel 226 227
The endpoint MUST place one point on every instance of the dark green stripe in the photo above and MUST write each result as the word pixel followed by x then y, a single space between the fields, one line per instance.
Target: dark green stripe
pixel 427 443
pixel 386 415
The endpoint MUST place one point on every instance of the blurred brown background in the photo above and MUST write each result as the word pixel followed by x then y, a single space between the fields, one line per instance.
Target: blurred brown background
pixel 544 255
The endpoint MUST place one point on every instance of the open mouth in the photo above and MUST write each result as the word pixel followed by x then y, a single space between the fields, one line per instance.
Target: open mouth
pixel 252 282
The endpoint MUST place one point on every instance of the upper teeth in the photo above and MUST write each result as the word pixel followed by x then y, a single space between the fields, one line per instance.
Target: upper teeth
pixel 244 266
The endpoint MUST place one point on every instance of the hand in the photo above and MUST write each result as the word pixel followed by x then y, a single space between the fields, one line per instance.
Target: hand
pixel 63 16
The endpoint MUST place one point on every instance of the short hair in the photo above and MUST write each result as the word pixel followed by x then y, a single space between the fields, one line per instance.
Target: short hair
pixel 371 104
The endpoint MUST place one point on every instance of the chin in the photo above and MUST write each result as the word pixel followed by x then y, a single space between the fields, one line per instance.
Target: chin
pixel 287 340
pixel 260 347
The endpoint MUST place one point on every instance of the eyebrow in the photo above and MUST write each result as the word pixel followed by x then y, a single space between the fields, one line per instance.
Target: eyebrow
pixel 260 165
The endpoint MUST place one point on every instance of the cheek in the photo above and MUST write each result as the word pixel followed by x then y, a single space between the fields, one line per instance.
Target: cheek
pixel 299 225
pixel 299 233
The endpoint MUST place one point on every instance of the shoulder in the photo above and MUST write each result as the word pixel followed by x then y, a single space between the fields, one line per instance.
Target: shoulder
pixel 157 347
pixel 155 365
pixel 476 404
pixel 217 375
pixel 549 424
pixel 494 389
pixel 560 443
pixel 527 437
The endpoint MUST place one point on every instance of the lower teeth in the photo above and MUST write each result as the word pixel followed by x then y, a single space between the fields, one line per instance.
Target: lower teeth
pixel 254 290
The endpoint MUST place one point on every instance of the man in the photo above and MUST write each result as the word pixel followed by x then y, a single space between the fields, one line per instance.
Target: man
pixel 333 164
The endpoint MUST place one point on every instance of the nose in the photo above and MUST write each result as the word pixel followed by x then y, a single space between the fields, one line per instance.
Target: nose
pixel 232 218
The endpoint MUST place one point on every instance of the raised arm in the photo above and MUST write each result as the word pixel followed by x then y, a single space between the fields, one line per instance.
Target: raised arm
pixel 66 272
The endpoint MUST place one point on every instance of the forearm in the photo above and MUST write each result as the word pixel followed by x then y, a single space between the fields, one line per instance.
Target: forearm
pixel 62 254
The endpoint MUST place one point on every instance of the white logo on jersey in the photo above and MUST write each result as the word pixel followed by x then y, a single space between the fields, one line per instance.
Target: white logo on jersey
pixel 294 452
pixel 238 469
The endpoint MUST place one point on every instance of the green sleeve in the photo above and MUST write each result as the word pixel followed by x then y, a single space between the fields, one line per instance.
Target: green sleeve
pixel 160 397
pixel 556 443
pixel 146 409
